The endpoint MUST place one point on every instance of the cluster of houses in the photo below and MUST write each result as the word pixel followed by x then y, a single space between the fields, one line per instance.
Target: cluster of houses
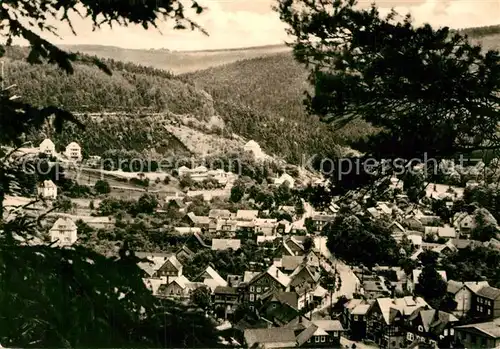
pixel 405 322
pixel 418 225
pixel 246 224
pixel 202 173
pixel 73 150
pixel 283 293
pixel 280 295
pixel 288 292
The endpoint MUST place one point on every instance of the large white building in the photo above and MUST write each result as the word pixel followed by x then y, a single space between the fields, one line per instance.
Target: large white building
pixel 63 232
pixel 47 190
pixel 73 151
pixel 47 147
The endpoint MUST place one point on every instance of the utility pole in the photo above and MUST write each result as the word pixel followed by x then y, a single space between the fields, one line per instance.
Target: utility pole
pixel 3 75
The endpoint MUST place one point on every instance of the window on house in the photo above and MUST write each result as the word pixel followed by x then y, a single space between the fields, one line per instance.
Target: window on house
pixel 335 334
pixel 445 332
pixel 252 288
pixel 316 339
pixel 251 297
pixel 309 340
pixel 420 328
pixel 258 289
pixel 355 318
pixel 409 336
pixel 479 301
pixel 489 311
pixel 323 339
pixel 452 331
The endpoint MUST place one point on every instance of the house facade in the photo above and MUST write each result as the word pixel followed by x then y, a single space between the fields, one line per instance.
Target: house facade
pixel 486 303
pixel 479 335
pixel 177 288
pixel 320 221
pixel 272 279
pixel 63 232
pixel 354 318
pixel 385 320
pixel 226 300
pixel 47 190
pixel 47 147
pixel 462 293
pixel 171 268
pixel 432 327
pixel 73 152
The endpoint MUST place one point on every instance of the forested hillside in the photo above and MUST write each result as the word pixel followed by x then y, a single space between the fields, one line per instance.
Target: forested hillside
pixel 259 98
pixel 137 102
pixel 262 99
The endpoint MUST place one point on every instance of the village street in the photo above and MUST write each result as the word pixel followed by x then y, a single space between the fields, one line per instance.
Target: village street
pixel 329 263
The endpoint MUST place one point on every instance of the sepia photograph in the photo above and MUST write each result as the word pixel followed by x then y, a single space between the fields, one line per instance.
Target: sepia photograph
pixel 266 174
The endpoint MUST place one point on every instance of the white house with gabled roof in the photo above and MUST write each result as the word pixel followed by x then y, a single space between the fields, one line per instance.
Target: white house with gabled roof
pixel 47 147
pixel 63 232
pixel 47 190
pixel 73 152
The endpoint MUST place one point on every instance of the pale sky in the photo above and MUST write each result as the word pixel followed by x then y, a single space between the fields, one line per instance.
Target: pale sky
pixel 243 23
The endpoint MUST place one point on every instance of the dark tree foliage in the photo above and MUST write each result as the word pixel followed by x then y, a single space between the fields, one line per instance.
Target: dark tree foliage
pixel 431 285
pixel 403 80
pixel 55 297
pixel 479 263
pixel 361 242
pixel 102 187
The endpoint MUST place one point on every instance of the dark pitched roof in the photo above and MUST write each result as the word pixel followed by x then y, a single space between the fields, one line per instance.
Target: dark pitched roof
pixel 226 290
pixel 269 335
pixel 489 292
pixel 305 335
pixel 185 249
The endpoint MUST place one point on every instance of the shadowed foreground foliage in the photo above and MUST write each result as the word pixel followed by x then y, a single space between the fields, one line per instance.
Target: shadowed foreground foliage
pixel 431 92
pixel 62 298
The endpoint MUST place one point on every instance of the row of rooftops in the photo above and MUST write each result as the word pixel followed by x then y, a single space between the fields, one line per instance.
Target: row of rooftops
pixel 479 288
pixel 294 334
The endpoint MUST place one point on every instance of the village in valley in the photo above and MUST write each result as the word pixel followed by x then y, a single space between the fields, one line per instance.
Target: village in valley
pixel 271 264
